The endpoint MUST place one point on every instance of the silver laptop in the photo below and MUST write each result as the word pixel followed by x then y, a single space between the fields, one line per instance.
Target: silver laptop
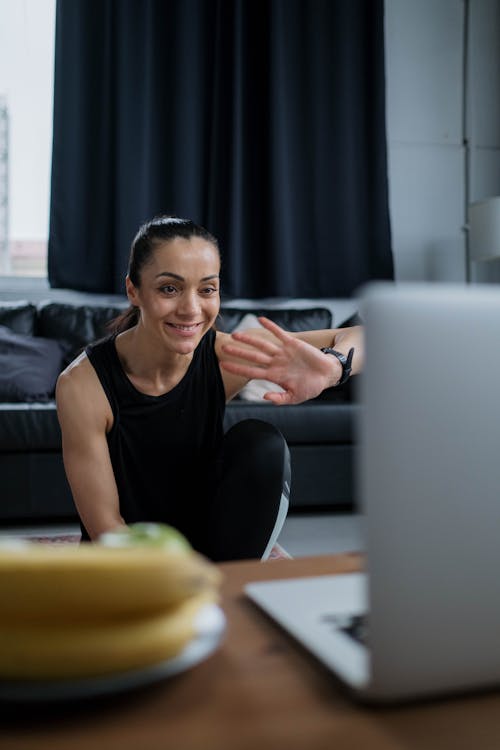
pixel 424 620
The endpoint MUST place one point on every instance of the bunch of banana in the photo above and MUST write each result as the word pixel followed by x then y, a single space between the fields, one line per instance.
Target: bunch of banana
pixel 92 610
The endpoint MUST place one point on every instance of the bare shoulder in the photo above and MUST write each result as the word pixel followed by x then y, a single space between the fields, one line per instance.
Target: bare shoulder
pixel 79 393
pixel 78 375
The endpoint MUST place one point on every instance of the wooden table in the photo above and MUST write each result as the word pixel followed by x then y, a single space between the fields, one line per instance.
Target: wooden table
pixel 259 691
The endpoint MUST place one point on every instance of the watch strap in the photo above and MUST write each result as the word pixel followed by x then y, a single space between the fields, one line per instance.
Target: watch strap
pixel 345 361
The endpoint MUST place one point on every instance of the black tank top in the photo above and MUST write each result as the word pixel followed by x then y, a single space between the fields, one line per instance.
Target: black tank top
pixel 164 449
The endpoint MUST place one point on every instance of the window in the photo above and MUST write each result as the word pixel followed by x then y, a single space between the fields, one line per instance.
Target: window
pixel 27 33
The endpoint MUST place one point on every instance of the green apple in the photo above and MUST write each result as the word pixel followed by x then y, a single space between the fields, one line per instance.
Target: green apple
pixel 146 535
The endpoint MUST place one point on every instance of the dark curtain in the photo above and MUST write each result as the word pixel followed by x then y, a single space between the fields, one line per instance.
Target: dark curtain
pixel 263 120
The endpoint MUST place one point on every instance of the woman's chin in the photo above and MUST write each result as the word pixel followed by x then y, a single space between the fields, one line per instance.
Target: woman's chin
pixel 187 347
pixel 184 345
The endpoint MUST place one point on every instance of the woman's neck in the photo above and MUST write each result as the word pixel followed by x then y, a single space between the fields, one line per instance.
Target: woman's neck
pixel 150 367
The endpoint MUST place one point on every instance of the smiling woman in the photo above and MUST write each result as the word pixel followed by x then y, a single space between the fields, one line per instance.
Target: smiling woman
pixel 175 303
pixel 141 411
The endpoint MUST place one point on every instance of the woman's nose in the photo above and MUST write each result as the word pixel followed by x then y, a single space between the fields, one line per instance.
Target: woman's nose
pixel 189 303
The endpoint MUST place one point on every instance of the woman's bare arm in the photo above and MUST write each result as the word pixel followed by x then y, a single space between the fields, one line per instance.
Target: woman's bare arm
pixel 85 417
pixel 292 360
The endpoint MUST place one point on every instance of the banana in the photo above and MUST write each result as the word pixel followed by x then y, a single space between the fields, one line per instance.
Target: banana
pixel 41 584
pixel 51 651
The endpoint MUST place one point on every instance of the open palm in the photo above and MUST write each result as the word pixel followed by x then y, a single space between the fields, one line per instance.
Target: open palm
pixel 301 369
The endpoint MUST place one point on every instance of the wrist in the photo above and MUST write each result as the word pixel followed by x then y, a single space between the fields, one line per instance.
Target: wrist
pixel 334 372
pixel 343 364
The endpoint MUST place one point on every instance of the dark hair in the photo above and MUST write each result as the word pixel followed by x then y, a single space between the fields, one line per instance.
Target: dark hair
pixel 151 234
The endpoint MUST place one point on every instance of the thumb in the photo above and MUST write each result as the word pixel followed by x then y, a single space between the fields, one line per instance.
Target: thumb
pixel 278 398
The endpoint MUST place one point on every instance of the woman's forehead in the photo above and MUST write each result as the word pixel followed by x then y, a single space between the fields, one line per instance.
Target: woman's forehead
pixel 190 254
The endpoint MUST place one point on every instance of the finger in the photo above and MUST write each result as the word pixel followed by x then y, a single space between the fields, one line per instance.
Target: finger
pixel 256 342
pixel 275 329
pixel 249 355
pixel 279 399
pixel 282 399
pixel 246 371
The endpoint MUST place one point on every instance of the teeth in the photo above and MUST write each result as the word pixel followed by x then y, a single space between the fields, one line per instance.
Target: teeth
pixel 185 328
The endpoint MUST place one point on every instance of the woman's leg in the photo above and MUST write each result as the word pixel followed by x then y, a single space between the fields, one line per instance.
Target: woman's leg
pixel 251 501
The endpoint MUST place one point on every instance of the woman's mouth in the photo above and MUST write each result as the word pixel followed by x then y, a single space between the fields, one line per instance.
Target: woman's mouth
pixel 183 329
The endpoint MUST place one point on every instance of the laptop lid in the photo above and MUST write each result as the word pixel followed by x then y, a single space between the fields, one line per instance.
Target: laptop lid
pixel 429 483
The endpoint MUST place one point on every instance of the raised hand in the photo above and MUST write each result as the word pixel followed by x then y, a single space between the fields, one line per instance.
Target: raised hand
pixel 302 370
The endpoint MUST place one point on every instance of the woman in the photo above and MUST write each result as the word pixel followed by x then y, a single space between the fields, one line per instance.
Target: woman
pixel 141 411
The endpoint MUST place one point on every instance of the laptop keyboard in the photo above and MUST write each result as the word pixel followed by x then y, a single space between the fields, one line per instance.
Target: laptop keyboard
pixel 355 626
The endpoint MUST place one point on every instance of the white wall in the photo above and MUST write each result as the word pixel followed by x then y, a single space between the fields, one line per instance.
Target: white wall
pixel 432 173
pixel 26 78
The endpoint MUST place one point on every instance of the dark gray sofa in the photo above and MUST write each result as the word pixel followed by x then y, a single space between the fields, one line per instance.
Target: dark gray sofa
pixel 320 433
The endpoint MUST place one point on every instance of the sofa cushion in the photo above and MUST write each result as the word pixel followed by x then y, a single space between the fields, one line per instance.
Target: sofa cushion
pixel 20 317
pixel 29 366
pixel 75 325
pixel 307 319
pixel 29 428
pixel 313 422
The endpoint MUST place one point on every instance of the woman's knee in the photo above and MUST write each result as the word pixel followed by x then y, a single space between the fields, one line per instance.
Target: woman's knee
pixel 254 434
pixel 259 446
pixel 256 452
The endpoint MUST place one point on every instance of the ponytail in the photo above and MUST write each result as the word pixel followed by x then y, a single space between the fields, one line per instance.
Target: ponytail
pixel 127 319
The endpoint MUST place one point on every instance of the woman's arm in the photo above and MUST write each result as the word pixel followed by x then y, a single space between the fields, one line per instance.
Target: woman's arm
pixel 292 360
pixel 85 416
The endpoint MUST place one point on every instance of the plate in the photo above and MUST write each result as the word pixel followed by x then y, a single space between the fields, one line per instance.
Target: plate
pixel 210 625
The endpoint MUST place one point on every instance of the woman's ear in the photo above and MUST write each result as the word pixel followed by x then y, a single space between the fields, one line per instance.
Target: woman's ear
pixel 131 291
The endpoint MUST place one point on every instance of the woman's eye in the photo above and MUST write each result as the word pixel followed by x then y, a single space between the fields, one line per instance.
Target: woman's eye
pixel 209 290
pixel 168 289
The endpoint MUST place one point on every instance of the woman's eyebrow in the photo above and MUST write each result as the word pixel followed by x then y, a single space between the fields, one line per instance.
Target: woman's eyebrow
pixel 181 278
pixel 172 275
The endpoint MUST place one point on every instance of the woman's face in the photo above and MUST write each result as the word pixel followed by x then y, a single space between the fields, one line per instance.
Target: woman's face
pixel 178 295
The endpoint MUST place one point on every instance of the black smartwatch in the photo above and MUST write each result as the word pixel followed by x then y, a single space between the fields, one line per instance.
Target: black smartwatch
pixel 346 362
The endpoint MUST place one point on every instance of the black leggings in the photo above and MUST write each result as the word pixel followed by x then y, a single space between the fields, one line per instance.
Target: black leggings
pixel 251 500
